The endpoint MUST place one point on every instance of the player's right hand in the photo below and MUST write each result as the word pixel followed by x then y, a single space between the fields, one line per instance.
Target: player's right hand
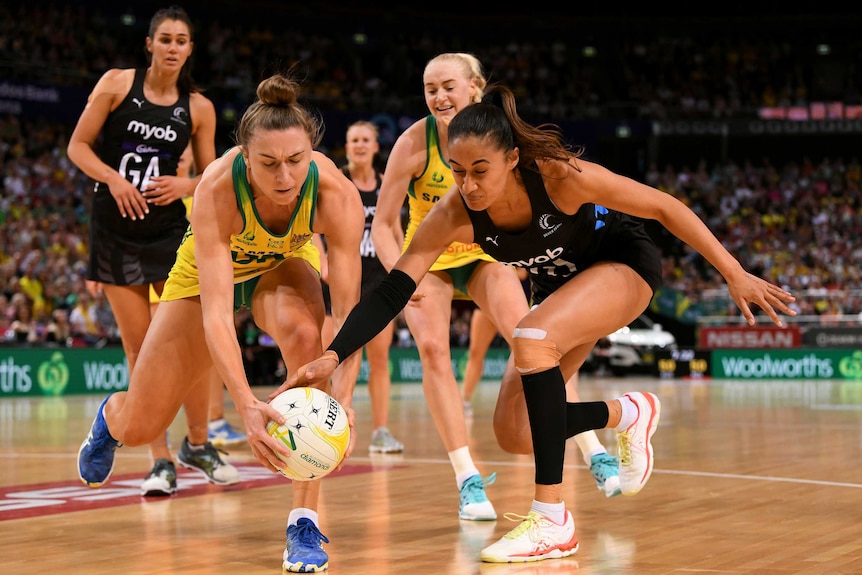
pixel 313 374
pixel 129 200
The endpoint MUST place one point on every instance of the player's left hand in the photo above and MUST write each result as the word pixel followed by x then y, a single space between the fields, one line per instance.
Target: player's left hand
pixel 164 190
pixel 313 374
pixel 748 289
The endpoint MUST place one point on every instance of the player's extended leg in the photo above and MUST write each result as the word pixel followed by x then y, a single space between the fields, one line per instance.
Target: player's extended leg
pixel 174 353
pixel 428 318
pixel 288 305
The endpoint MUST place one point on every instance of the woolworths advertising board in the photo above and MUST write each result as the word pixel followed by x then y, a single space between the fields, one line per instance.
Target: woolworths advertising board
pixel 62 371
pixel 787 364
pixel 70 371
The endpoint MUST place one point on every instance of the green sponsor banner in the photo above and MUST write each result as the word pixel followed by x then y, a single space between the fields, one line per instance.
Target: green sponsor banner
pixel 62 371
pixel 404 364
pixel 72 371
pixel 787 364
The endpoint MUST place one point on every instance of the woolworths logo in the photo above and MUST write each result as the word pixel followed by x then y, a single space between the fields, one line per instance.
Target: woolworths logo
pixel 767 367
pixel 851 366
pixel 53 375
pixel 789 364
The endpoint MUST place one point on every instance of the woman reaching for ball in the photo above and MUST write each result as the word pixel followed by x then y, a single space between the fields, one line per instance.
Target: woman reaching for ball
pixel 249 244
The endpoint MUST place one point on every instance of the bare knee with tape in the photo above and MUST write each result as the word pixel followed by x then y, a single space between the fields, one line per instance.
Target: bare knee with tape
pixel 532 351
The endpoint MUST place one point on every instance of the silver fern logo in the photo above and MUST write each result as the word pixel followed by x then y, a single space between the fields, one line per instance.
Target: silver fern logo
pixel 180 115
pixel 546 222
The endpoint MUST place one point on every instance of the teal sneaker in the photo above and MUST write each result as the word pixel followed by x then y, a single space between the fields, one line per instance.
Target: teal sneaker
pixel 474 501
pixel 606 471
pixel 96 454
pixel 304 550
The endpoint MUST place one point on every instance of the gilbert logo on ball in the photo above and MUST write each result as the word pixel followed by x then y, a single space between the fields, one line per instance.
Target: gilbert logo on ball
pixel 315 430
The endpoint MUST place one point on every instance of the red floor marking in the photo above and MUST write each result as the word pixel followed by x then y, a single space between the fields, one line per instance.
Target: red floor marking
pixel 40 499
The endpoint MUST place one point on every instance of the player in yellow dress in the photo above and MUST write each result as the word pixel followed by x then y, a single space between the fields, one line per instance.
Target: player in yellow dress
pixel 249 244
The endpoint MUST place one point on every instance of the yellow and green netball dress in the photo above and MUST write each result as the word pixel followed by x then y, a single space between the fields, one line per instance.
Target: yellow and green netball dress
pixel 424 192
pixel 255 250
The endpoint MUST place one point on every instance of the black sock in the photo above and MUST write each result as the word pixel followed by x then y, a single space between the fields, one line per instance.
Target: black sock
pixel 586 415
pixel 545 393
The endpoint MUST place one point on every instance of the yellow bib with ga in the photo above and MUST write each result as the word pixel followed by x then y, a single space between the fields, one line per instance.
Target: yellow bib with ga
pixel 425 191
pixel 255 250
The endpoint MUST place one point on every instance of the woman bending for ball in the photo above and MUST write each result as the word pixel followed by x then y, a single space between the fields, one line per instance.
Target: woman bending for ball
pixel 249 244
pixel 528 200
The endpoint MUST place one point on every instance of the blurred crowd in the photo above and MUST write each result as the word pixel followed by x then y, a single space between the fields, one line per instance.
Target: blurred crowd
pixel 369 58
pixel 798 223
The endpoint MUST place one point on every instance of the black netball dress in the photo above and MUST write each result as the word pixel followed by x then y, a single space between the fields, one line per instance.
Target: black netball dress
pixel 556 246
pixel 141 140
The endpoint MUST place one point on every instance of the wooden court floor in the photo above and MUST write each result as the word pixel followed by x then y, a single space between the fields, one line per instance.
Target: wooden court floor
pixel 760 477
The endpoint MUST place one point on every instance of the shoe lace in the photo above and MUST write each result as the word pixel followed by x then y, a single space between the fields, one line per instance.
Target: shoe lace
pixel 211 452
pixel 308 534
pixel 163 467
pixel 528 524
pixel 208 456
pixel 624 448
pixel 473 489
pixel 604 466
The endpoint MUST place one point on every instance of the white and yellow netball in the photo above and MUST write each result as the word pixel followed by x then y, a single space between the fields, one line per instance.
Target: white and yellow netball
pixel 315 430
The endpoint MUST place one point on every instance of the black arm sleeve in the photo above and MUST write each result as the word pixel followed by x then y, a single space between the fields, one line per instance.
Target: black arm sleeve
pixel 373 313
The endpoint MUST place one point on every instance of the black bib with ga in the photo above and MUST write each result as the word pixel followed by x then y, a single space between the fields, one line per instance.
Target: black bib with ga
pixel 140 140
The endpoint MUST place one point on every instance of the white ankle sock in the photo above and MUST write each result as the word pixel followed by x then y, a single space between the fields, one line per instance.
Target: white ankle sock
pixel 462 464
pixel 299 513
pixel 629 414
pixel 556 512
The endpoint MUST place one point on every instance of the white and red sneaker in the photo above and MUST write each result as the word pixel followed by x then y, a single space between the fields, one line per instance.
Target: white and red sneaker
pixel 634 448
pixel 535 539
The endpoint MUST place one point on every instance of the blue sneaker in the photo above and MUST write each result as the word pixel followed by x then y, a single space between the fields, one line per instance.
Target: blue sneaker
pixel 221 433
pixel 474 501
pixel 606 471
pixel 96 455
pixel 304 551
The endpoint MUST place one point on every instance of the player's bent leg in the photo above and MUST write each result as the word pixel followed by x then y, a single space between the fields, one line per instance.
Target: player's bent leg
pixel 511 422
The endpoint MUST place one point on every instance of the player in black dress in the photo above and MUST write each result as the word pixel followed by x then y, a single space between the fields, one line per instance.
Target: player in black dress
pixel 145 118
pixel 528 200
